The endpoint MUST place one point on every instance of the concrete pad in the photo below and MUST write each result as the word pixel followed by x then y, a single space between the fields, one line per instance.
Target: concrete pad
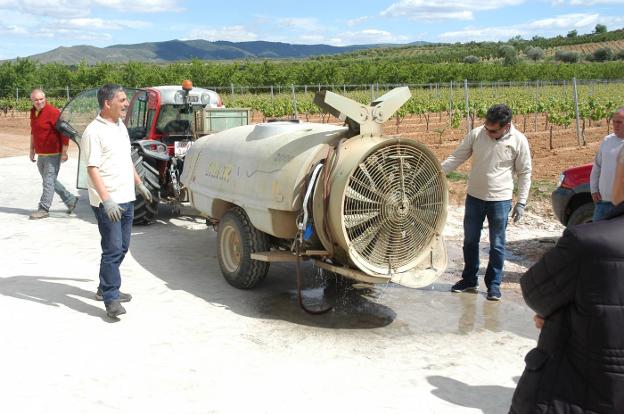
pixel 191 343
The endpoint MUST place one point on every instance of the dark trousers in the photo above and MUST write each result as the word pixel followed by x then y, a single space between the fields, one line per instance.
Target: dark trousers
pixel 115 244
pixel 497 213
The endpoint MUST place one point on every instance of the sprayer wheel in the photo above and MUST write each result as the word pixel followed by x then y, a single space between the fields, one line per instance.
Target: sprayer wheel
pixel 237 239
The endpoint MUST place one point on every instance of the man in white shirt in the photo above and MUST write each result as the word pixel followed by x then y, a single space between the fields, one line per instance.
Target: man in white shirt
pixel 603 170
pixel 498 151
pixel 112 180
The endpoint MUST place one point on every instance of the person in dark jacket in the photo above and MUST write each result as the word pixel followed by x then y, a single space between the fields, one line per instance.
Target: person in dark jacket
pixel 577 291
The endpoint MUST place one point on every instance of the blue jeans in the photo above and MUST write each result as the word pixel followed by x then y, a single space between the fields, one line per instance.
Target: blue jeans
pixel 115 244
pixel 49 166
pixel 497 213
pixel 602 210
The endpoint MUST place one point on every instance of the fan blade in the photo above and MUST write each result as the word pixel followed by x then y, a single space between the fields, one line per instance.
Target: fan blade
pixel 352 219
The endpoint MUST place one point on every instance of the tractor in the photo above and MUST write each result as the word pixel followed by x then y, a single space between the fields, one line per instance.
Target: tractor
pixel 162 122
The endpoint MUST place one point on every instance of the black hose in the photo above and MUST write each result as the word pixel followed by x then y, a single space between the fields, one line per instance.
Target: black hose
pixel 299 296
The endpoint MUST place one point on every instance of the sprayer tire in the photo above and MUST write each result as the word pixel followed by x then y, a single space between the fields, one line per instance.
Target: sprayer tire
pixel 237 239
pixel 145 212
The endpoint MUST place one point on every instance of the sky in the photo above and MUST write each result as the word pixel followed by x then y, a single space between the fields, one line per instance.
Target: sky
pixel 29 27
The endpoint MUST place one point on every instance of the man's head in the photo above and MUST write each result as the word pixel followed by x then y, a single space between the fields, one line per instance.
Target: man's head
pixel 37 97
pixel 113 102
pixel 618 122
pixel 498 121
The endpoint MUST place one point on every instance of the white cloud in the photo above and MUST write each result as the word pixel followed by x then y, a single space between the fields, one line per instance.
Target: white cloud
pixel 236 33
pixel 307 24
pixel 69 33
pixel 97 23
pixel 141 6
pixel 367 36
pixel 50 8
pixel 357 20
pixel 77 28
pixel 588 3
pixel 74 8
pixel 431 10
pixel 13 30
pixel 479 34
pixel 566 21
pixel 543 27
pixel 311 39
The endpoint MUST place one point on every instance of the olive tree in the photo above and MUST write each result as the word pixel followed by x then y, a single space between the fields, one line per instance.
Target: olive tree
pixel 535 53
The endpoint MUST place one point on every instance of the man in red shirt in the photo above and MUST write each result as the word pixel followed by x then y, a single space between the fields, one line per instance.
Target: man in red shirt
pixel 51 148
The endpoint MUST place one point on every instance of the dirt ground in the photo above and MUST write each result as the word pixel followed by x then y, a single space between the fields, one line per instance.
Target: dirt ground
pixel 191 343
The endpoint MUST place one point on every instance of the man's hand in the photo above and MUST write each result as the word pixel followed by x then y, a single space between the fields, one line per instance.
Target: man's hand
pixel 142 189
pixel 596 197
pixel 112 210
pixel 64 153
pixel 32 154
pixel 518 212
pixel 539 321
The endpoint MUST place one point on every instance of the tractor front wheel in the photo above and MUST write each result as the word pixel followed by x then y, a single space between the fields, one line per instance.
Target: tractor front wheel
pixel 145 212
pixel 237 239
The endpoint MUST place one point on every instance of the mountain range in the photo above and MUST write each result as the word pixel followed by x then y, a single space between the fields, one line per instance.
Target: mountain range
pixel 180 50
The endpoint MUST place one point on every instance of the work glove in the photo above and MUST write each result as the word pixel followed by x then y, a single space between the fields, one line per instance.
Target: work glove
pixel 518 212
pixel 112 210
pixel 142 189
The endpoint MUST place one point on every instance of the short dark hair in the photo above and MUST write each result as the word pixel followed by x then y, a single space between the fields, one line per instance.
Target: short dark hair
pixel 107 93
pixel 500 114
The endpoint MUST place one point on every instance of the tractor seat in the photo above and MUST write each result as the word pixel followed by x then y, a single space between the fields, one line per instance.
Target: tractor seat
pixel 177 126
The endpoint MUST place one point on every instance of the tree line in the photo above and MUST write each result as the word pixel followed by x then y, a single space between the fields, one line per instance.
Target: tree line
pixel 25 74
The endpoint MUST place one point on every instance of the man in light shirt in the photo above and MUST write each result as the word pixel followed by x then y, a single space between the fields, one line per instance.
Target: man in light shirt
pixel 603 170
pixel 498 151
pixel 618 182
pixel 112 181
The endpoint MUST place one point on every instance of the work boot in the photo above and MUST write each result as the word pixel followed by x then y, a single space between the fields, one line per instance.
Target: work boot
pixel 114 309
pixel 463 286
pixel 123 297
pixel 71 206
pixel 39 214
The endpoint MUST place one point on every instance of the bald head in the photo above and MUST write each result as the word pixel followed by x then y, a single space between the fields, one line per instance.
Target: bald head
pixel 37 97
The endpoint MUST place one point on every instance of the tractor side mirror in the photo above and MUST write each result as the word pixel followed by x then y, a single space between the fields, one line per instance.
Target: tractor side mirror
pixel 66 129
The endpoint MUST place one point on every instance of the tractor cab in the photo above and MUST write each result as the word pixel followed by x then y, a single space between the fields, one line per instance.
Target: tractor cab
pixel 163 122
pixel 167 113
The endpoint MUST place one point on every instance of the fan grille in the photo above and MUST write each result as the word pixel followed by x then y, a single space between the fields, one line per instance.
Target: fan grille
pixel 394 205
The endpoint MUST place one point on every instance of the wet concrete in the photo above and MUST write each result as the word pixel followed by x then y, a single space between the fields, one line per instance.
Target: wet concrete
pixel 192 343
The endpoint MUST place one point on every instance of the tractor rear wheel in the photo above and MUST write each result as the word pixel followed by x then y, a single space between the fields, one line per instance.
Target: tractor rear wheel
pixel 145 212
pixel 237 239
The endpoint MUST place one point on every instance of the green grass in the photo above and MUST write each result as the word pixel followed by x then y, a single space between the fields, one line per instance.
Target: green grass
pixel 542 189
pixel 456 176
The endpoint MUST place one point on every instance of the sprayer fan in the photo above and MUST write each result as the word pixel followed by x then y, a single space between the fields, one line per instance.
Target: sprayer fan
pixel 394 204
